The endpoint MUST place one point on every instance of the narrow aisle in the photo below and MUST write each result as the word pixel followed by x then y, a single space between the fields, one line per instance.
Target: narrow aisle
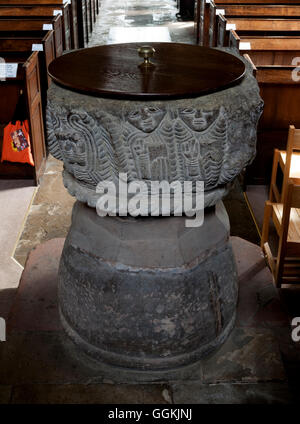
pixel 140 21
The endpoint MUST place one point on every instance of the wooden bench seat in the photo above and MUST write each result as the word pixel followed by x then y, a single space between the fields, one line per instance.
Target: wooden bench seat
pixel 295 163
pixel 201 22
pixel 257 2
pixel 82 16
pixel 43 40
pixel 294 224
pixel 45 13
pixel 264 25
pixel 261 9
pixel 42 4
pixel 280 48
pixel 284 260
pixel 281 95
pixel 21 26
pixel 69 17
pixel 28 82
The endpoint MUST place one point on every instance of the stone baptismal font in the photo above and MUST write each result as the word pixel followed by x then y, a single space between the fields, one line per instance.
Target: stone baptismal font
pixel 150 292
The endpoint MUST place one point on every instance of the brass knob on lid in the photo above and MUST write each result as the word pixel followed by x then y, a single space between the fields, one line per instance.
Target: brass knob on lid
pixel 146 52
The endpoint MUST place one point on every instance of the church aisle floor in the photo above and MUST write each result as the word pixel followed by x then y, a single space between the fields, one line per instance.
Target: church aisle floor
pixel 133 17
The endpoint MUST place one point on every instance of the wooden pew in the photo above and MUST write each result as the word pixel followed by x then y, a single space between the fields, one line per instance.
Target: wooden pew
pixel 90 19
pixel 201 21
pixel 82 16
pixel 243 24
pixel 74 24
pixel 280 48
pixel 40 11
pixel 280 91
pixel 237 9
pixel 274 64
pixel 27 81
pixel 93 11
pixel 42 42
pixel 258 2
pixel 243 9
pixel 84 21
pixel 73 12
pixel 22 25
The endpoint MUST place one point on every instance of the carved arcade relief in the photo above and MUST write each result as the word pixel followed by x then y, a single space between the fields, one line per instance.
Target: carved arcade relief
pixel 202 140
pixel 189 145
pixel 145 141
pixel 149 143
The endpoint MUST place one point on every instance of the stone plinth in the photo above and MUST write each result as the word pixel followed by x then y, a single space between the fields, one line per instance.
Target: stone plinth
pixel 147 293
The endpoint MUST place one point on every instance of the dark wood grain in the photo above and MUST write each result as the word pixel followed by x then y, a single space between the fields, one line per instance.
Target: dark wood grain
pixel 181 70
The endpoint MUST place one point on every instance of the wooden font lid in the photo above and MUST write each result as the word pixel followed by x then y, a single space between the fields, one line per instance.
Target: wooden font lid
pixel 178 71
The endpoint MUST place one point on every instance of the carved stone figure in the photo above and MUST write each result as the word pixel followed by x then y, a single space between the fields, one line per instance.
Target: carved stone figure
pixel 197 120
pixel 146 119
pixel 202 138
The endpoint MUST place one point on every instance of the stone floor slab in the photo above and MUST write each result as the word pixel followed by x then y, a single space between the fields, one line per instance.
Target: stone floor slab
pixel 36 308
pixel 263 393
pixel 90 394
pixel 40 357
pixel 248 256
pixel 259 303
pixel 248 355
pixel 50 214
pixel 15 199
pixel 50 357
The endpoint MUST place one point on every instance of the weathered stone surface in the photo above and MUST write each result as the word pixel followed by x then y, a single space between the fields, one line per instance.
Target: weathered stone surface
pixel 209 138
pixel 249 259
pixel 50 214
pixel 40 357
pixel 50 357
pixel 263 393
pixel 248 355
pixel 259 304
pixel 36 306
pixel 147 293
pixel 90 394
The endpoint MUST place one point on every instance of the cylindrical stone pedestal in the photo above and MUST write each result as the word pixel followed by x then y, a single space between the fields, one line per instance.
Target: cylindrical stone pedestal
pixel 147 293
